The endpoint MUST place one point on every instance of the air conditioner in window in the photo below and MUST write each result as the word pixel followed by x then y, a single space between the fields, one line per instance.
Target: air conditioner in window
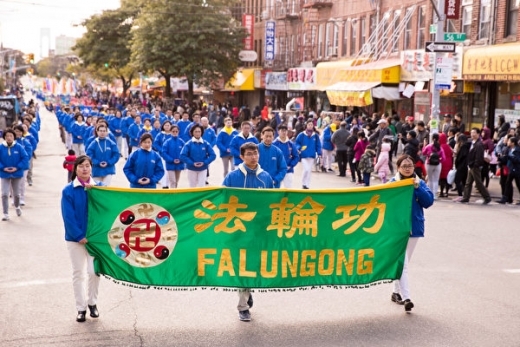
pixel 332 51
pixel 367 48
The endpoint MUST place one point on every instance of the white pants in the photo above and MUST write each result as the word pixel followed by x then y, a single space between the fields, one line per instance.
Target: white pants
pixel 288 180
pixel 243 296
pixel 83 266
pixel 226 162
pixel 68 141
pixel 307 164
pixel 402 285
pixel 434 172
pixel 23 181
pixel 197 178
pixel 105 179
pixel 173 177
pixel 119 143
pixel 79 148
pixel 7 185
pixel 164 180
pixel 327 159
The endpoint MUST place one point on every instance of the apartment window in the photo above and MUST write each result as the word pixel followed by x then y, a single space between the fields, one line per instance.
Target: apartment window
pixel 467 13
pixel 408 31
pixel 386 31
pixel 395 33
pixel 328 39
pixel 421 27
pixel 345 38
pixel 363 32
pixel 512 17
pixel 335 39
pixel 485 19
pixel 353 36
pixel 321 46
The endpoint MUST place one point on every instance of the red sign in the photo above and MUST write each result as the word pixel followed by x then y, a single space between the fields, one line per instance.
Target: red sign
pixel 452 9
pixel 248 22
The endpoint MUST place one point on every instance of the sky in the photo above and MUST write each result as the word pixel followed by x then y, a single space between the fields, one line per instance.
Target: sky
pixel 22 20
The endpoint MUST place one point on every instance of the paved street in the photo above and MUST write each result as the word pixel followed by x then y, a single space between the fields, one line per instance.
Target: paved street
pixel 465 278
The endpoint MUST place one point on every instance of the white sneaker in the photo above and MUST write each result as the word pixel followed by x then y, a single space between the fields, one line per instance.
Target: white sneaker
pixel 6 217
pixel 18 211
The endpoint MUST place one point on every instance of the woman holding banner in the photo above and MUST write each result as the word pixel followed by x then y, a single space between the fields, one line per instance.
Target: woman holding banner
pixel 74 212
pixel 422 198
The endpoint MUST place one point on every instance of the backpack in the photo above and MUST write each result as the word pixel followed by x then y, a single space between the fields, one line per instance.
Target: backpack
pixel 434 159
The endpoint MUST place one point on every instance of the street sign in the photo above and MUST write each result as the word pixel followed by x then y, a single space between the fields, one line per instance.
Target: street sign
pixel 247 56
pixel 435 47
pixel 455 37
pixel 443 73
pixel 433 28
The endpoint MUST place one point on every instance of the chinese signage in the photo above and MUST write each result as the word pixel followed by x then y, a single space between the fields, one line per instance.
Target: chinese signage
pixel 270 30
pixel 493 63
pixel 239 238
pixel 301 78
pixel 452 9
pixel 248 22
pixel 417 65
pixel 276 80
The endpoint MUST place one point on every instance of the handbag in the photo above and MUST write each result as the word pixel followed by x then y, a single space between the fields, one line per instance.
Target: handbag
pixel 451 176
pixel 487 157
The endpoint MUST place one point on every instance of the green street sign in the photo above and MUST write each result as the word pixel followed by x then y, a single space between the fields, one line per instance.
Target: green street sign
pixel 433 28
pixel 454 37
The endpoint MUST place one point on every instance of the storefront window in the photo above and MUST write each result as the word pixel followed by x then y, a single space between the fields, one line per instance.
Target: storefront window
pixel 512 17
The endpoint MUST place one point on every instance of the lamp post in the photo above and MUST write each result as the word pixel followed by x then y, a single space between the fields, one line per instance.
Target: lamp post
pixel 375 5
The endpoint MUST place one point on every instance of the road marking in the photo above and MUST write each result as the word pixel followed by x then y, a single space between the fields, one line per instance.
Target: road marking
pixel 34 283
pixel 512 271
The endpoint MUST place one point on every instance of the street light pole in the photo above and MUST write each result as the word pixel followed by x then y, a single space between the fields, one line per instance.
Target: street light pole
pixel 436 95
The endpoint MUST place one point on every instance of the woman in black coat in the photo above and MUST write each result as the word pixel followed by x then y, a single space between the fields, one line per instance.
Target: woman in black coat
pixel 461 163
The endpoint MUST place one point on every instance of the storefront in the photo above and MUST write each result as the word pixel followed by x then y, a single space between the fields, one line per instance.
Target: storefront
pixel 240 89
pixel 276 89
pixel 495 72
pixel 301 85
pixel 365 85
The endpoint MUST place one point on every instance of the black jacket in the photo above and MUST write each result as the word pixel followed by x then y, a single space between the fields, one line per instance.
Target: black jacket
pixel 461 161
pixel 476 155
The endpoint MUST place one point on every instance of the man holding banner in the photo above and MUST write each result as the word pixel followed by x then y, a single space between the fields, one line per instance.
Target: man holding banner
pixel 248 175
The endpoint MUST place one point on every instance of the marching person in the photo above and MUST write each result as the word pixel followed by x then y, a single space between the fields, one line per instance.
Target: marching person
pixel 75 216
pixel 309 146
pixel 171 153
pixel 422 198
pixel 197 154
pixel 104 155
pixel 13 162
pixel 290 153
pixel 249 174
pixel 271 157
pixel 237 142
pixel 225 135
pixel 144 167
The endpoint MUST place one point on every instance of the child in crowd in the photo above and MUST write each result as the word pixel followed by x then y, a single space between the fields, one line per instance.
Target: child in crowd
pixel 382 167
pixel 68 163
pixel 366 164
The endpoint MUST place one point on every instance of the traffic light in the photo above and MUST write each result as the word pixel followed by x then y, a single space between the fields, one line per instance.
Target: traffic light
pixel 30 58
pixel 106 65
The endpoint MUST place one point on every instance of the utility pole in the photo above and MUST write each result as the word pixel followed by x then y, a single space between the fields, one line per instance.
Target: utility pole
pixel 436 95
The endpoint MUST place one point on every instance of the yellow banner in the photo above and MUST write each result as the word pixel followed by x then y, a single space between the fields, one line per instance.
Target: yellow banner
pixel 342 98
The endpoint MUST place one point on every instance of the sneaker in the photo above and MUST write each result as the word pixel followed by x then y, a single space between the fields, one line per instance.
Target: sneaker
pixel 6 217
pixel 396 297
pixel 408 305
pixel 464 201
pixel 18 211
pixel 244 316
pixel 250 300
pixel 330 170
pixel 305 187
pixel 501 201
pixel 486 201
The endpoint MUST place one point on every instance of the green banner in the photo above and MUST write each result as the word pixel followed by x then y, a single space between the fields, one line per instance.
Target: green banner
pixel 250 238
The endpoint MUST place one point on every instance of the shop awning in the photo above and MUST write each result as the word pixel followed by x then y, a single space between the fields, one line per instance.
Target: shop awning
pixel 352 86
pixel 242 80
pixel 331 72
pixel 382 71
pixel 492 63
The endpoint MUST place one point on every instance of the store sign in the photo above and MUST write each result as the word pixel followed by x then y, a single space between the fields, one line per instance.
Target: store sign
pixel 417 65
pixel 276 81
pixel 248 22
pixel 259 81
pixel 301 78
pixel 492 68
pixel 452 9
pixel 443 73
pixel 270 30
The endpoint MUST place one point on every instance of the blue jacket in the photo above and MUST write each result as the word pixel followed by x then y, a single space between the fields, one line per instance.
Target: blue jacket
pixel 74 210
pixel 327 139
pixel 210 136
pixel 125 124
pixel 159 140
pixel 32 141
pixel 273 162
pixel 91 139
pixel 155 132
pixel 223 142
pixel 78 131
pixel 116 124
pixel 13 156
pixel 103 150
pixel 194 152
pixel 26 144
pixel 182 127
pixel 171 150
pixel 290 153
pixel 235 144
pixel 142 163
pixel 133 134
pixel 244 177
pixel 422 198
pixel 312 144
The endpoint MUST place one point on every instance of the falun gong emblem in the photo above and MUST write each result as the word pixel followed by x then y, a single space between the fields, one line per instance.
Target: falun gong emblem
pixel 143 235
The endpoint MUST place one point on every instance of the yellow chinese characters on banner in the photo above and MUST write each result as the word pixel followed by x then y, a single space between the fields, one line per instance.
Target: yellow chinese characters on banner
pixel 346 98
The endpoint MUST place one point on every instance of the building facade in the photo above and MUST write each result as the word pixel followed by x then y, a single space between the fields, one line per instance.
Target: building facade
pixel 64 44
